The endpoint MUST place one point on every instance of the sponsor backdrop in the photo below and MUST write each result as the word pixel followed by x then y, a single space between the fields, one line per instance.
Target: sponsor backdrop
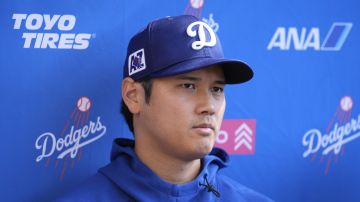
pixel 292 132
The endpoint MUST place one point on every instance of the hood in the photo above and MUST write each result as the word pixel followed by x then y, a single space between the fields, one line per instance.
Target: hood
pixel 140 182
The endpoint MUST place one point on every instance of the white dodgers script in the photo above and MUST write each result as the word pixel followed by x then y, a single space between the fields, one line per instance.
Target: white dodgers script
pixel 48 143
pixel 314 140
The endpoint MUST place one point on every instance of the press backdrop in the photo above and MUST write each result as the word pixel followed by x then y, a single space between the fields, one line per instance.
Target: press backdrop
pixel 292 131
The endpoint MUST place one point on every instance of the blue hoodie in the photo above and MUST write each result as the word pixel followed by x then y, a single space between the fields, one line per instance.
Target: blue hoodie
pixel 126 178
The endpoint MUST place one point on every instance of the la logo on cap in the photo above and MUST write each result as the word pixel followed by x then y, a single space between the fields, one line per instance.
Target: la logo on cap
pixel 202 26
pixel 136 62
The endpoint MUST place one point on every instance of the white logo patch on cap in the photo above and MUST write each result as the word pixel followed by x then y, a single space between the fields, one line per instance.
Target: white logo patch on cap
pixel 197 45
pixel 136 62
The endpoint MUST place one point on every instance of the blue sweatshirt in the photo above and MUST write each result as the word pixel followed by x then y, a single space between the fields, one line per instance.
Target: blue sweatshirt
pixel 126 178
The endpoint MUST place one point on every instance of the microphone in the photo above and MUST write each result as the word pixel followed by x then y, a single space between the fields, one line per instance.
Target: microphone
pixel 210 187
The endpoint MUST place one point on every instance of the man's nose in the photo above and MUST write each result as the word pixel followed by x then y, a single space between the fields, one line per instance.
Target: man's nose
pixel 205 103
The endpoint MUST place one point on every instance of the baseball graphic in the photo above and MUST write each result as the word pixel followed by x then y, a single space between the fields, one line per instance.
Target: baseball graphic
pixel 346 103
pixel 197 3
pixel 83 104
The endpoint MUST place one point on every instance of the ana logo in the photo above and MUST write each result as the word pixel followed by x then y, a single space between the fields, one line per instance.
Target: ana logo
pixel 39 31
pixel 341 130
pixel 200 32
pixel 237 136
pixel 136 62
pixel 78 132
pixel 302 40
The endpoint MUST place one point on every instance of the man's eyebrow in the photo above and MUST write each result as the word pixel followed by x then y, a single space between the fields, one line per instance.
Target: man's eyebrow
pixel 222 82
pixel 194 78
pixel 190 78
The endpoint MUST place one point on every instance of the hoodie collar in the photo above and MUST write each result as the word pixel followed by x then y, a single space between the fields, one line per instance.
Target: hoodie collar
pixel 127 171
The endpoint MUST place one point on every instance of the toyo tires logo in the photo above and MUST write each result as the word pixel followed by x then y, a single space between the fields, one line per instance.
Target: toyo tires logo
pixel 50 31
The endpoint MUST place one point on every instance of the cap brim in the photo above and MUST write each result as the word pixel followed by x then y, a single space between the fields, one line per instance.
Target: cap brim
pixel 235 71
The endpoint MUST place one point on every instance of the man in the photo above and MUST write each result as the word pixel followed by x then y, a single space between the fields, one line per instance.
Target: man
pixel 173 101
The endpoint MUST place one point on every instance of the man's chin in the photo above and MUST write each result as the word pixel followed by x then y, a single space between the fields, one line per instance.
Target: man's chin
pixel 204 150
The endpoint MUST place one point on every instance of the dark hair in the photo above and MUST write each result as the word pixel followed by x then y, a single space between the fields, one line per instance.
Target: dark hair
pixel 147 85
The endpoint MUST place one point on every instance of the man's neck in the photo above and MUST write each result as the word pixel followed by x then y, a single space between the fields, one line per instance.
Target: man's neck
pixel 170 169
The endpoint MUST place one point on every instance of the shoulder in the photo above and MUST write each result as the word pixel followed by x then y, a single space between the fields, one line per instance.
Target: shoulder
pixel 230 190
pixel 96 188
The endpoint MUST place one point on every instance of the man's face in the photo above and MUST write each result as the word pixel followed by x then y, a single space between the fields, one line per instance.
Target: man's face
pixel 184 113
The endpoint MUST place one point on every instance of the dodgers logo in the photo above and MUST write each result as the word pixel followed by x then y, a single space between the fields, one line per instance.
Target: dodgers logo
pixel 77 133
pixel 136 62
pixel 194 7
pixel 200 32
pixel 211 22
pixel 341 130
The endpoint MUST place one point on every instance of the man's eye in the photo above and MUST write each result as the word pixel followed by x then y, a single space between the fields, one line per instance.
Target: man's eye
pixel 188 85
pixel 217 90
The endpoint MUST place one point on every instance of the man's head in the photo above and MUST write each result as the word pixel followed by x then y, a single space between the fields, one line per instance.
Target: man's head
pixel 174 76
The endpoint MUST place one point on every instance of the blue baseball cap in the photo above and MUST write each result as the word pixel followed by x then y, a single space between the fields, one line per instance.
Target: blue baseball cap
pixel 176 45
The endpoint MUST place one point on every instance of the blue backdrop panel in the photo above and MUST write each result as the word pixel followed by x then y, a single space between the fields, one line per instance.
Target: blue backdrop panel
pixel 60 82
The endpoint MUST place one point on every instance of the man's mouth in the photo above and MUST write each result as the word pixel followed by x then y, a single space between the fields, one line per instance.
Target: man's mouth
pixel 204 125
pixel 205 128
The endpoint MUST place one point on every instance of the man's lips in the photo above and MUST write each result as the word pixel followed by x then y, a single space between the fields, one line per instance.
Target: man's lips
pixel 204 126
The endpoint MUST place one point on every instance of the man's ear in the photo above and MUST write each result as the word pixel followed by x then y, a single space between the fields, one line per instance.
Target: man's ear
pixel 131 92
